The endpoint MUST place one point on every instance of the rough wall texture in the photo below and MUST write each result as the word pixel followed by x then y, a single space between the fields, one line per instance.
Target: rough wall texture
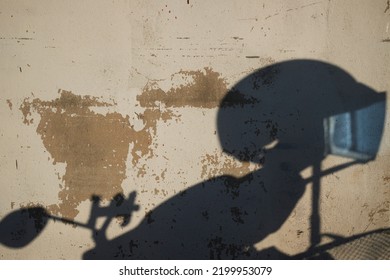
pixel 210 113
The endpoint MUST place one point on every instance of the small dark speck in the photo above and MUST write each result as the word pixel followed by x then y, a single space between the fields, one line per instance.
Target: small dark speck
pixel 16 163
pixel 386 41
pixel 252 56
pixel 20 69
pixel 188 1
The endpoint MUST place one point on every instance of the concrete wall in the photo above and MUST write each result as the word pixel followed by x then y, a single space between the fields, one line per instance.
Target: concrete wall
pixel 100 98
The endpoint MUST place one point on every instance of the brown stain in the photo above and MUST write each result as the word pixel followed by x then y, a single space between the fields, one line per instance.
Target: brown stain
pixel 161 192
pixel 163 174
pixel 93 146
pixel 218 164
pixel 9 104
pixel 379 214
pixel 204 89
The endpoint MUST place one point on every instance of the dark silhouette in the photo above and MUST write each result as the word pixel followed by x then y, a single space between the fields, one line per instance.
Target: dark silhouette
pixel 293 105
pixel 22 226
pixel 299 112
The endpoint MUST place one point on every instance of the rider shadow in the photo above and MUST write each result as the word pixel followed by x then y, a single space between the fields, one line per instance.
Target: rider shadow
pixel 286 117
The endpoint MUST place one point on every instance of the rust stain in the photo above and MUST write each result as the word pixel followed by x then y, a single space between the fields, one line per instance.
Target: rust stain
pixel 218 164
pixel 203 89
pixel 93 146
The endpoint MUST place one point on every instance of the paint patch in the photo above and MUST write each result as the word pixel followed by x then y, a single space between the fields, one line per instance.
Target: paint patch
pixel 94 146
pixel 202 89
pixel 218 164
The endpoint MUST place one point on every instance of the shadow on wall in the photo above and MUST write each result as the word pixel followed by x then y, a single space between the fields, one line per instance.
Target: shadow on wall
pixel 294 114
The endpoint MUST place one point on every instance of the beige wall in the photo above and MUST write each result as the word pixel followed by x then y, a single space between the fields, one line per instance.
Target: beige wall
pixel 123 54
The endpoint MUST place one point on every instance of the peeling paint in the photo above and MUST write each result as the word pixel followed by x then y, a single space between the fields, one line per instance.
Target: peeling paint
pixel 93 146
pixel 204 89
pixel 218 164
